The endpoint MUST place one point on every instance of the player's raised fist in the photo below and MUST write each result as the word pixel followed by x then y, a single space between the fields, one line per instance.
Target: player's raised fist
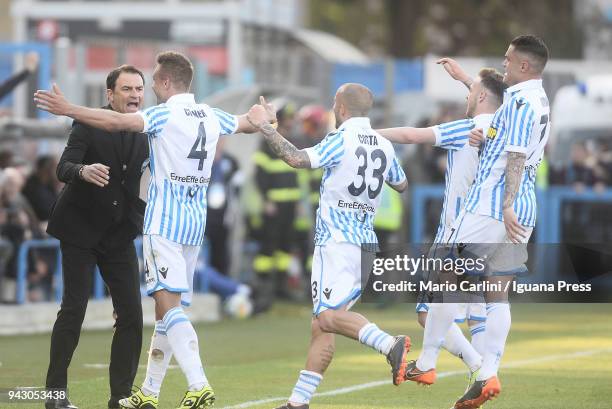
pixel 270 109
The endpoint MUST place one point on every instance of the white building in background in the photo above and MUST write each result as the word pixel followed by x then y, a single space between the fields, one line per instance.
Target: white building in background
pixel 595 16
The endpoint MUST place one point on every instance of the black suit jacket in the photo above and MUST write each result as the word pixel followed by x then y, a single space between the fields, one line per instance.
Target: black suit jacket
pixel 85 214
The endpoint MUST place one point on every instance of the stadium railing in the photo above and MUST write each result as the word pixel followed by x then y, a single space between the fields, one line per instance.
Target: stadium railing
pixel 200 280
pixel 550 202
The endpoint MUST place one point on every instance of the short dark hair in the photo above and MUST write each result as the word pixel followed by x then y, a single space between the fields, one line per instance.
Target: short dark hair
pixel 177 67
pixel 493 81
pixel 534 47
pixel 111 79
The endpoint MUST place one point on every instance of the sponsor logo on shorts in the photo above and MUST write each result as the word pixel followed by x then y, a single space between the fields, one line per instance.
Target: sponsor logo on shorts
pixel 327 292
pixel 163 271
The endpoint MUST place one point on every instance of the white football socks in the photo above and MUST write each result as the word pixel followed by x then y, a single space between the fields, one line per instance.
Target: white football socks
pixel 184 342
pixel 160 354
pixel 373 337
pixel 439 320
pixel 478 336
pixel 457 344
pixel 497 329
pixel 305 387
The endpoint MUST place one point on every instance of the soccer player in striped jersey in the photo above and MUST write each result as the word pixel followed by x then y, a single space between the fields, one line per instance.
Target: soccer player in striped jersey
pixel 484 98
pixel 499 214
pixel 357 161
pixel 182 141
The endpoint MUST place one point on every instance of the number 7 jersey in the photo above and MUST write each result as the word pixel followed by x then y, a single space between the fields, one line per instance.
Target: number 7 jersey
pixel 183 139
pixel 357 162
pixel 521 124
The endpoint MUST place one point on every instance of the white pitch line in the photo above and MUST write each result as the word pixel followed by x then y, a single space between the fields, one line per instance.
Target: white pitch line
pixel 349 389
pixel 105 366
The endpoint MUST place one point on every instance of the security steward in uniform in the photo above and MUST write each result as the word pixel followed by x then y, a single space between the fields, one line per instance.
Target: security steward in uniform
pixel 278 186
pixel 96 218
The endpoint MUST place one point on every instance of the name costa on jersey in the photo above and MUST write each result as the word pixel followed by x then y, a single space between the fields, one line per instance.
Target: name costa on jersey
pixel 356 162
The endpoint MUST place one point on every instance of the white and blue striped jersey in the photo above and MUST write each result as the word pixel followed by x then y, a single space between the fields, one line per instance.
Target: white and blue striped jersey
pixel 521 124
pixel 357 162
pixel 461 165
pixel 183 138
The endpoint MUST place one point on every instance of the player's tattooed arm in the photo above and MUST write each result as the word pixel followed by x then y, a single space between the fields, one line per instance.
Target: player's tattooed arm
pixel 514 173
pixel 294 157
pixel 261 116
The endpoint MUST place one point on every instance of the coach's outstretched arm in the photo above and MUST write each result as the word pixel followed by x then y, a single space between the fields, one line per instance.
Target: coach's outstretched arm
pixel 259 116
pixel 111 121
pixel 409 135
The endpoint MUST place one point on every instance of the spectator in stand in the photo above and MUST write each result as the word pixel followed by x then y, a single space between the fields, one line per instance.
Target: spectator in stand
pixel 17 224
pixel 30 65
pixel 6 158
pixel 581 171
pixel 41 188
pixel 225 182
pixel 603 167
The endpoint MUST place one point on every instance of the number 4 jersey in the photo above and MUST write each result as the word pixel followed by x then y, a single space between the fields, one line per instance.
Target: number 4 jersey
pixel 183 138
pixel 357 162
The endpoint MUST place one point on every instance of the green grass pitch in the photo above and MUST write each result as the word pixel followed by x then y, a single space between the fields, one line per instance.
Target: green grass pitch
pixel 557 357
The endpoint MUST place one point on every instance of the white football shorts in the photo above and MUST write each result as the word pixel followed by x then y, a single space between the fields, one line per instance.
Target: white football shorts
pixel 336 276
pixel 486 237
pixel 169 266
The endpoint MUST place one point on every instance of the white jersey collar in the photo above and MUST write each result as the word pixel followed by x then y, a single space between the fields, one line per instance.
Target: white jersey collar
pixel 523 86
pixel 360 121
pixel 483 117
pixel 185 98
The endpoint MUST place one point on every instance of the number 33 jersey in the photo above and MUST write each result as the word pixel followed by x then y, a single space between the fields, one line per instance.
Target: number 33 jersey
pixel 183 138
pixel 357 162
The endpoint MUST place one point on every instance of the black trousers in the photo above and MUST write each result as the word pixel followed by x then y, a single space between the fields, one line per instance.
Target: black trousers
pixel 219 254
pixel 119 269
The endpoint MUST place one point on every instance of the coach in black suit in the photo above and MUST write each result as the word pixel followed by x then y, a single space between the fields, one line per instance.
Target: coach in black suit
pixel 96 218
